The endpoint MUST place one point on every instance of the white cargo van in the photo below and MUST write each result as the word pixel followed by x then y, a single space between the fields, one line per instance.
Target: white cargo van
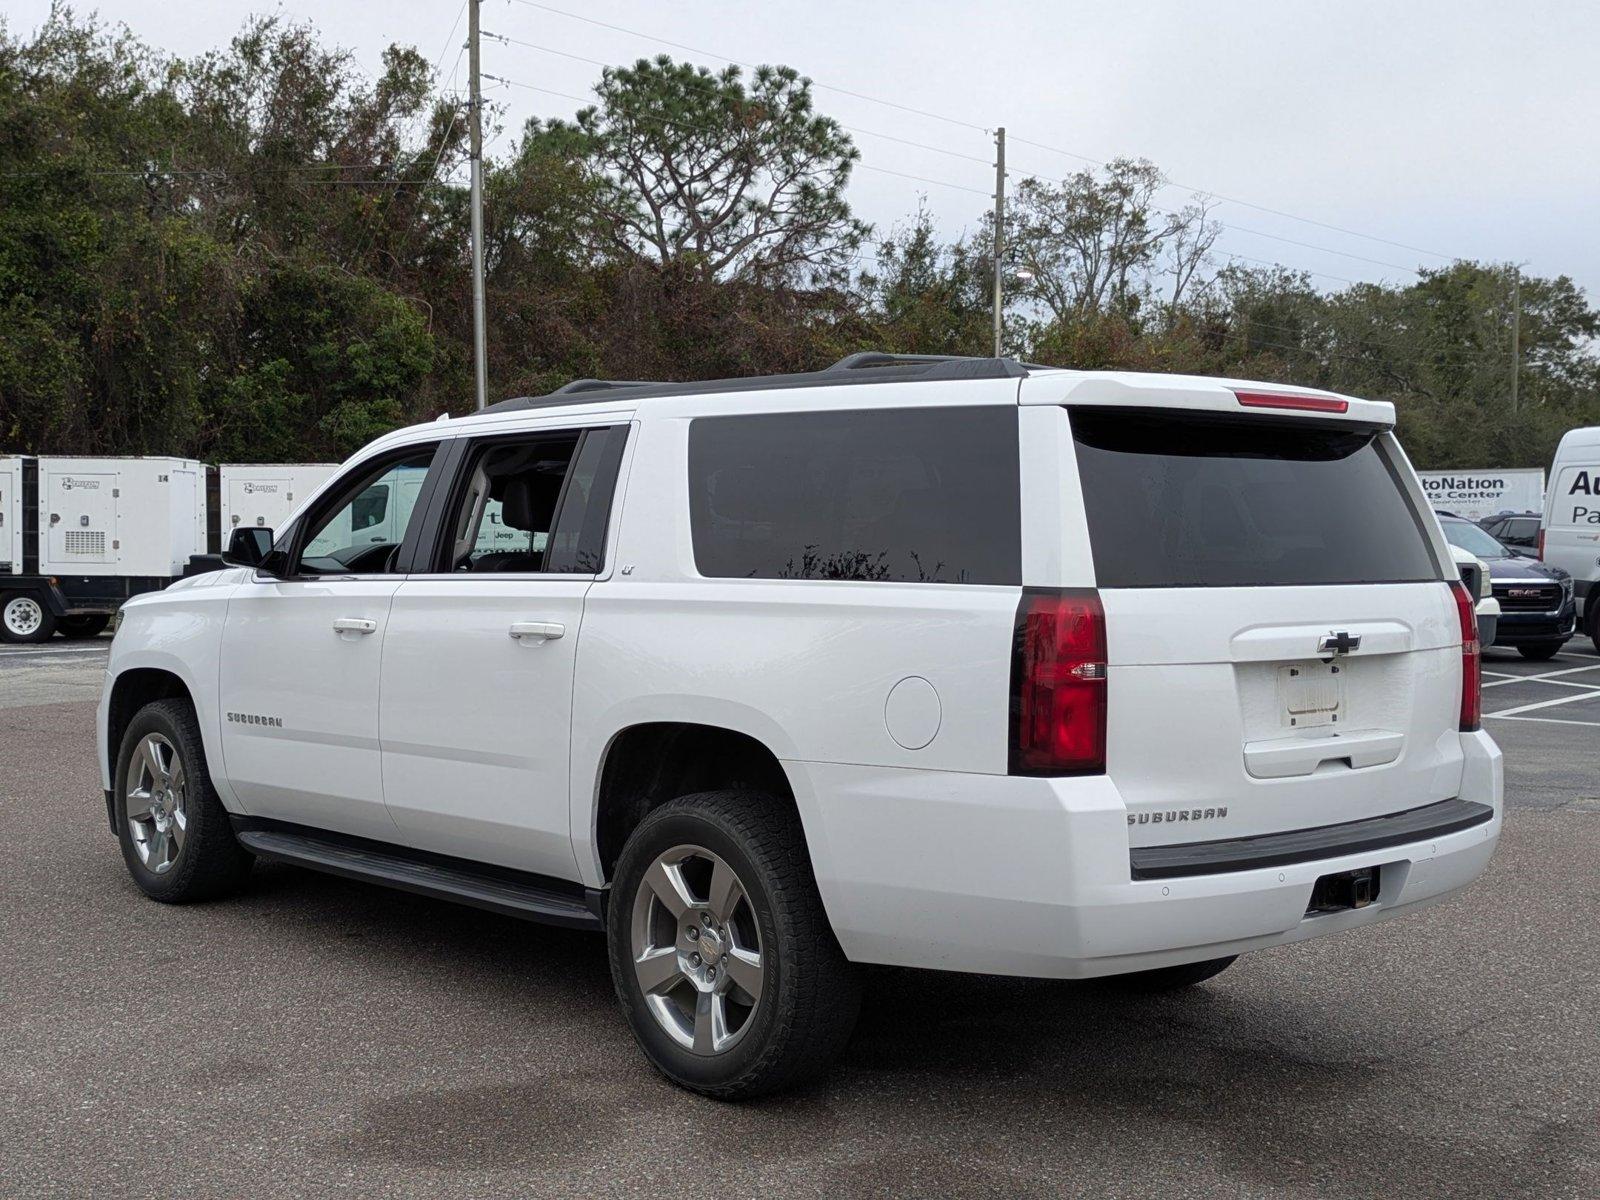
pixel 94 531
pixel 1570 538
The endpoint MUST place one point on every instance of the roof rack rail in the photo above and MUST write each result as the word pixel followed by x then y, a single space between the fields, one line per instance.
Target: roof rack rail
pixel 866 366
pixel 882 358
pixel 600 385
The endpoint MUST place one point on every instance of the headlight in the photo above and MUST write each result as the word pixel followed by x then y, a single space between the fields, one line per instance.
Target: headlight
pixel 116 623
pixel 1485 585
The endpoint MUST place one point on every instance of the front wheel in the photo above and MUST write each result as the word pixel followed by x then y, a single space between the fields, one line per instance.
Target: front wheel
pixel 722 956
pixel 23 618
pixel 175 834
pixel 1540 651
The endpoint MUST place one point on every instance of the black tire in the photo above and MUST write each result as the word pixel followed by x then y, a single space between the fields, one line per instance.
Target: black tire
pixel 1594 619
pixel 86 626
pixel 1540 651
pixel 25 618
pixel 810 993
pixel 209 862
pixel 1169 979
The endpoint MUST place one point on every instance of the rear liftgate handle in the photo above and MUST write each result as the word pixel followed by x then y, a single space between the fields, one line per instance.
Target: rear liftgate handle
pixel 537 632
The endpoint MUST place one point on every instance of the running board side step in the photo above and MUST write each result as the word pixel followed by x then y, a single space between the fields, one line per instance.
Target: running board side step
pixel 497 889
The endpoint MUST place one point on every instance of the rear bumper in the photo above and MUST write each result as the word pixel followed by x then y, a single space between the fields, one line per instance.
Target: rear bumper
pixel 1012 876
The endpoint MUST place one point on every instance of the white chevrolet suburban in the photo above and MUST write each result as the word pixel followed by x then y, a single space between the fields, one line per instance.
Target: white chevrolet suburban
pixel 943 663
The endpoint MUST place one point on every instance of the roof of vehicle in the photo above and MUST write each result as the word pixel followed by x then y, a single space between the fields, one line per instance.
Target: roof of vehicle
pixel 1589 435
pixel 586 397
pixel 869 366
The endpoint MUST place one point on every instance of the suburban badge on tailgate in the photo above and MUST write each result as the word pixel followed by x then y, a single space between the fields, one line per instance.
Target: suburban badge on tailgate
pixel 1178 814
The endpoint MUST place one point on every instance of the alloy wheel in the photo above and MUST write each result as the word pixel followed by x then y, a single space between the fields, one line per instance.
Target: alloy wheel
pixel 155 794
pixel 696 948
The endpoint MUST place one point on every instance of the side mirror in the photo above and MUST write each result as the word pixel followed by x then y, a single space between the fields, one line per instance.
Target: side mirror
pixel 248 546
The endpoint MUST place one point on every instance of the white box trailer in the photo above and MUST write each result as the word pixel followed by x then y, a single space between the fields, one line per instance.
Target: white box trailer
pixel 264 494
pixel 95 532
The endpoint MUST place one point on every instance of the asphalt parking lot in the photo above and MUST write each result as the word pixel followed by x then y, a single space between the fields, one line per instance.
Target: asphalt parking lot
pixel 317 1036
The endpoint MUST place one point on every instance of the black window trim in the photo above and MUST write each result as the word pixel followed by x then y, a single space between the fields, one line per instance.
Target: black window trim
pixel 291 541
pixel 426 556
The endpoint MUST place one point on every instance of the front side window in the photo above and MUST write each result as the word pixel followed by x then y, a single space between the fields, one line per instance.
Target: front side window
pixel 925 495
pixel 534 504
pixel 360 533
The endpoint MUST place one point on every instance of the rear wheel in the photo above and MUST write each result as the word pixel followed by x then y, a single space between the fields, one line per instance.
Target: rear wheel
pixel 1540 651
pixel 722 956
pixel 24 618
pixel 175 834
pixel 1594 620
pixel 85 626
pixel 1168 979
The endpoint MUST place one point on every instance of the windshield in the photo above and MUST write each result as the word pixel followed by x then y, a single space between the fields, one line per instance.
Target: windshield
pixel 1467 536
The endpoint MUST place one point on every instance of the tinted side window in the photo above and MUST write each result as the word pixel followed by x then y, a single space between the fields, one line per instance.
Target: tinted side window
pixel 361 531
pixel 534 504
pixel 926 495
pixel 1202 500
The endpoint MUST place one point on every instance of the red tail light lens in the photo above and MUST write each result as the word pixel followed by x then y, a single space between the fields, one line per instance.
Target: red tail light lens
pixel 1299 403
pixel 1539 553
pixel 1058 684
pixel 1471 681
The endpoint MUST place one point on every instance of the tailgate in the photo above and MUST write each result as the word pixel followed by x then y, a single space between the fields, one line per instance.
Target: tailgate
pixel 1284 650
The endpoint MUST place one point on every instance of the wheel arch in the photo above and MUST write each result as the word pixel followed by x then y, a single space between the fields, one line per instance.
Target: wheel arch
pixel 130 691
pixel 648 763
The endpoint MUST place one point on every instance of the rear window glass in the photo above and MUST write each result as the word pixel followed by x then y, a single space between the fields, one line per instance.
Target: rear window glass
pixel 925 495
pixel 1200 500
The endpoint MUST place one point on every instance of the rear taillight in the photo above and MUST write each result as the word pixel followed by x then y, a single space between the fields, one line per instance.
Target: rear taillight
pixel 1539 552
pixel 1471 683
pixel 1058 684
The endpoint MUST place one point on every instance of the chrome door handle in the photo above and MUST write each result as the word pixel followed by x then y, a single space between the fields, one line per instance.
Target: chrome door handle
pixel 547 631
pixel 354 625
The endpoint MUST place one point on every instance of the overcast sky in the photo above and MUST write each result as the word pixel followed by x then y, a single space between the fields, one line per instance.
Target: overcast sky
pixel 1464 127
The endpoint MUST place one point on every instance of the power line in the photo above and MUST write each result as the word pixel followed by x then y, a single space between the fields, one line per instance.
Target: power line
pixel 1250 204
pixel 512 41
pixel 663 123
pixel 959 123
pixel 751 66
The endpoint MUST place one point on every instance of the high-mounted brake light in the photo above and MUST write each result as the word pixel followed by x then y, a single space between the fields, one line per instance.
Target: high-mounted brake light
pixel 1298 403
pixel 1471 680
pixel 1058 684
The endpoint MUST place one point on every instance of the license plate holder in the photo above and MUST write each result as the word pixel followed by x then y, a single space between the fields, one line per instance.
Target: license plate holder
pixel 1310 694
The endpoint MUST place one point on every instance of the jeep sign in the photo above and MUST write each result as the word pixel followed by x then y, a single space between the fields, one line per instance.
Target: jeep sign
pixel 1477 494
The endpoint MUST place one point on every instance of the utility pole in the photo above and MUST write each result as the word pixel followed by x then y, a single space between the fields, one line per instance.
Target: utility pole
pixel 999 230
pixel 1516 331
pixel 480 352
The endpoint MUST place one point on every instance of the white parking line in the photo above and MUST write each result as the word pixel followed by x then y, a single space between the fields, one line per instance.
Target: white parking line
pixel 1541 676
pixel 1553 721
pixel 1522 708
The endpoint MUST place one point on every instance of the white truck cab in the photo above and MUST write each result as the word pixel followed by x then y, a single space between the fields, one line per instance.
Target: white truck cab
pixel 943 663
pixel 1570 538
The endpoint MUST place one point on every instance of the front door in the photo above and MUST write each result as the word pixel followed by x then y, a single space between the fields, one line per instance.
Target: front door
pixel 479 656
pixel 301 657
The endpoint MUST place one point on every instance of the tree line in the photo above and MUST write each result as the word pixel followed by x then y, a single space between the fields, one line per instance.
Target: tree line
pixel 260 253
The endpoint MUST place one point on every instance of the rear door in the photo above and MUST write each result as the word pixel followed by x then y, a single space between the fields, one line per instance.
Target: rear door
pixel 1284 651
pixel 481 649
